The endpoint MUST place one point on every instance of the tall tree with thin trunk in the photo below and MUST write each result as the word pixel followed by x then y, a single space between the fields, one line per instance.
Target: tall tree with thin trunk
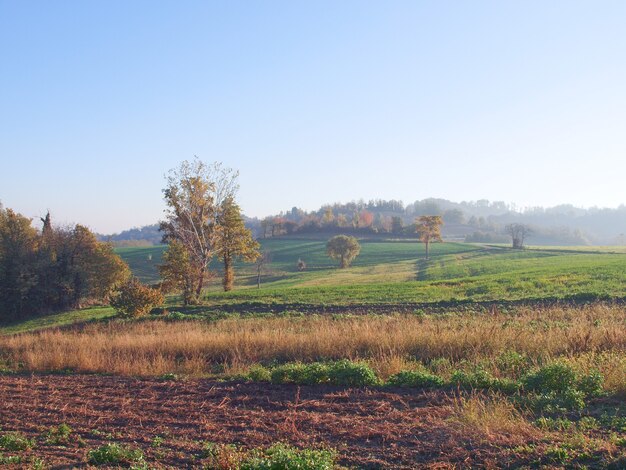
pixel 235 240
pixel 429 229
pixel 261 262
pixel 194 193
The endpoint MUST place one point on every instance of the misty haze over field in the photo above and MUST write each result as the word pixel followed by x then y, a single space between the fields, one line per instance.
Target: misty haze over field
pixel 474 221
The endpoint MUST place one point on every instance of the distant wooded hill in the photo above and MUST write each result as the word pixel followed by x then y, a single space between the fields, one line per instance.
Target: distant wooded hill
pixel 474 221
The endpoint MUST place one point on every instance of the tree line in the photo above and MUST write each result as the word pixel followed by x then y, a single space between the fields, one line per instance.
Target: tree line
pixel 53 269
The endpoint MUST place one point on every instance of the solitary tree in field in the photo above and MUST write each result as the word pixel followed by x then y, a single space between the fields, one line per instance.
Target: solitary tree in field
pixel 429 229
pixel 194 195
pixel 343 248
pixel 518 233
pixel 235 240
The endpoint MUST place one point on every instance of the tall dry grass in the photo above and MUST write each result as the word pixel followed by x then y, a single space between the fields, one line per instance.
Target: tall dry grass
pixel 389 343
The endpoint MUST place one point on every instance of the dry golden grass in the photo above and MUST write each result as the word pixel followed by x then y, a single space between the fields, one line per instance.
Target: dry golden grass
pixel 388 343
pixel 492 418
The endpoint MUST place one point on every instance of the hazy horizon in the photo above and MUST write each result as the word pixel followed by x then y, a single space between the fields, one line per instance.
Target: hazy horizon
pixel 313 102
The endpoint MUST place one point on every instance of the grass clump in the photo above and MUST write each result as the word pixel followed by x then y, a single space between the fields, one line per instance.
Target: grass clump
pixel 417 379
pixel 115 454
pixel 343 373
pixel 10 459
pixel 15 442
pixel 276 457
pixel 58 435
pixel 480 379
pixel 258 373
pixel 284 457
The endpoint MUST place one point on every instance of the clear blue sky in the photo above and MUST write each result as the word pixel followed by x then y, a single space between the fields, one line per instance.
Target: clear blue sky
pixel 313 102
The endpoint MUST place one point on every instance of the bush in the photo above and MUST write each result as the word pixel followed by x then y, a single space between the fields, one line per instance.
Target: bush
pixel 557 402
pixel 302 374
pixel 135 299
pixel 352 374
pixel 555 377
pixel 411 378
pixel 344 372
pixel 114 454
pixel 557 388
pixel 591 384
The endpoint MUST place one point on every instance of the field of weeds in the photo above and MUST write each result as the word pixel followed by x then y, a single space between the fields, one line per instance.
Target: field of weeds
pixel 528 386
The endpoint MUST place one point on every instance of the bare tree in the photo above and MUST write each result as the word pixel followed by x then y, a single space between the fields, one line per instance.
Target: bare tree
pixel 518 233
pixel 263 260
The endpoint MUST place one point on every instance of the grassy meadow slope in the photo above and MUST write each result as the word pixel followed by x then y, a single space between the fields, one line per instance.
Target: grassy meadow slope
pixel 395 271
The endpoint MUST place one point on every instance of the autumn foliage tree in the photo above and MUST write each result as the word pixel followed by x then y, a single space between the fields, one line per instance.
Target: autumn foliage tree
pixel 428 229
pixel 235 240
pixel 178 272
pixel 344 248
pixel 194 194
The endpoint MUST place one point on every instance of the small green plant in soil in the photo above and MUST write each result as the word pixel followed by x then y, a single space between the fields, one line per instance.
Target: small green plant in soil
pixel 114 454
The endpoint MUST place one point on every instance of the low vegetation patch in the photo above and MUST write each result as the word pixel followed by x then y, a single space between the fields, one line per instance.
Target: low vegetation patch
pixel 344 372
pixel 15 442
pixel 58 435
pixel 279 456
pixel 115 454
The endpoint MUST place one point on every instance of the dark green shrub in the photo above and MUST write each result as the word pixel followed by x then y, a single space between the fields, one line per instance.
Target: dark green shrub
pixel 556 377
pixel 557 388
pixel 302 374
pixel 344 372
pixel 351 374
pixel 591 384
pixel 411 378
pixel 114 454
pixel 557 402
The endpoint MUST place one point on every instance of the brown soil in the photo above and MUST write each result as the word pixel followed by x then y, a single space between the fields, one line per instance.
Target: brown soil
pixel 369 428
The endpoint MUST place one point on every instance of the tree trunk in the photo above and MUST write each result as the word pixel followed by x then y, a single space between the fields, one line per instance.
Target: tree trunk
pixel 200 283
pixel 258 277
pixel 427 243
pixel 229 275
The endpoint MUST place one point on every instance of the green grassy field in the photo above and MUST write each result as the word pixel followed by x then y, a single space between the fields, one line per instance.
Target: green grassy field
pixel 397 272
